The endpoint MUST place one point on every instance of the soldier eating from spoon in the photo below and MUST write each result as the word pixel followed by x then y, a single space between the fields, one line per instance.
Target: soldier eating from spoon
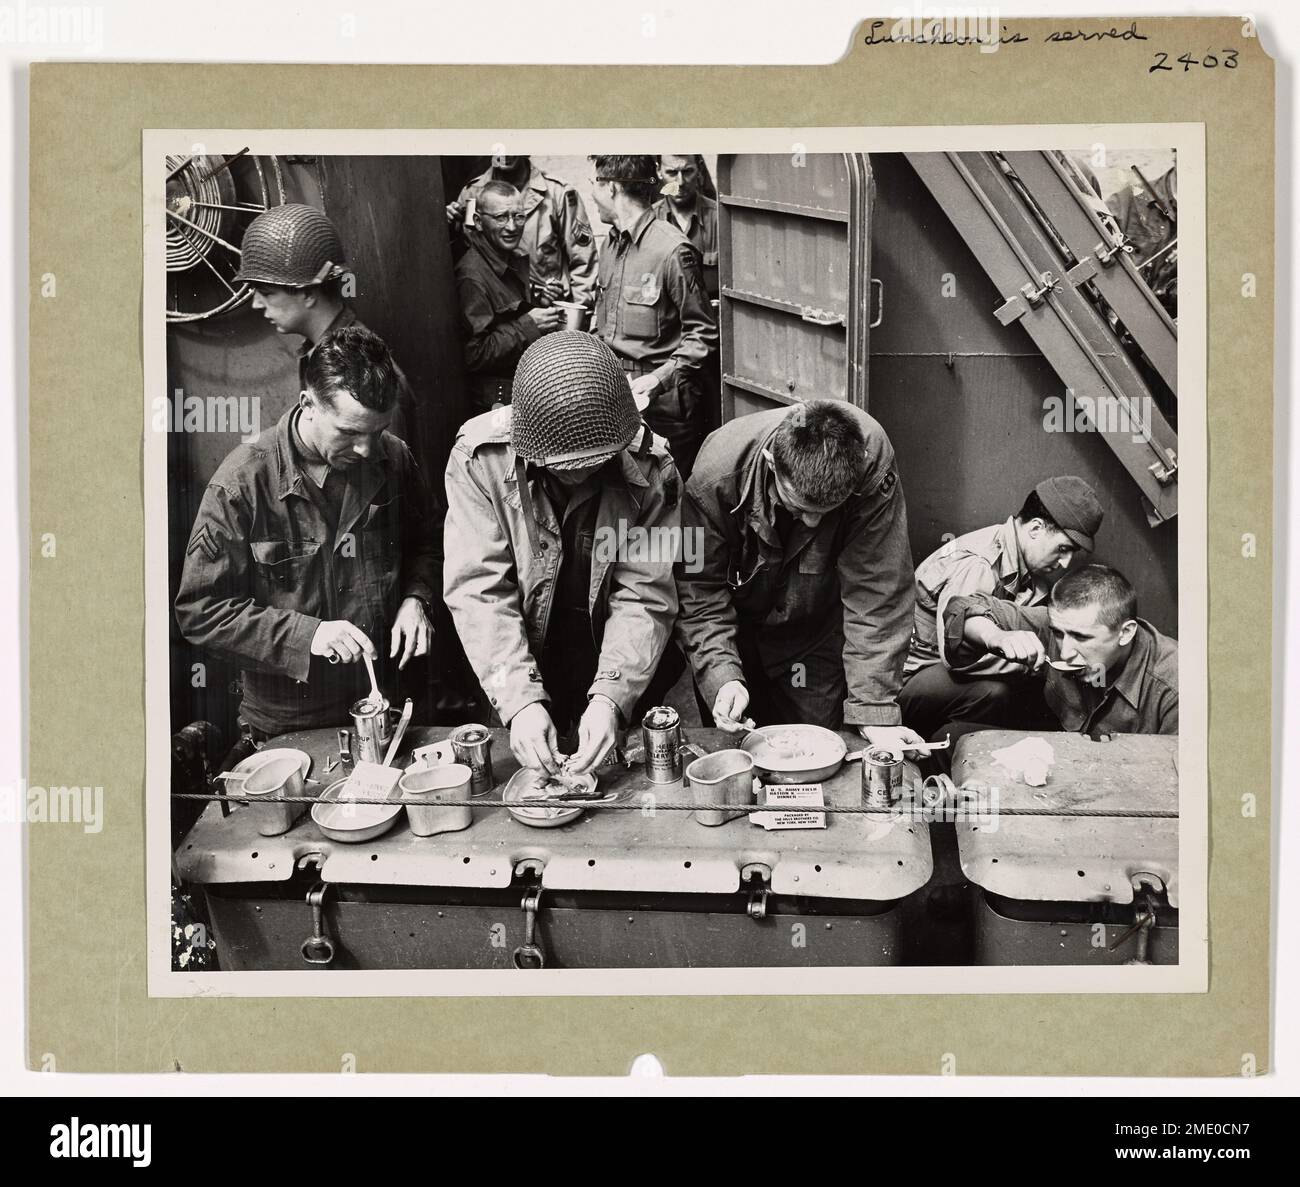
pixel 1104 670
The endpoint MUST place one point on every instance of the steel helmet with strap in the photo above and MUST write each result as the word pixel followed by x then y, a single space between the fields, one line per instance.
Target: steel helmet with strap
pixel 572 406
pixel 293 245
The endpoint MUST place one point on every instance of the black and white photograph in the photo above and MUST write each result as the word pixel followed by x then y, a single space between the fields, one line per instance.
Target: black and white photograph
pixel 753 569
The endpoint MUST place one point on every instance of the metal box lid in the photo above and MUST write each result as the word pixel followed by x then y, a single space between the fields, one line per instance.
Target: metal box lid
pixel 1066 856
pixel 854 857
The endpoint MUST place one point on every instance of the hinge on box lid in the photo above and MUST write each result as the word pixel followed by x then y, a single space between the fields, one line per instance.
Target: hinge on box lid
pixel 1148 895
pixel 529 954
pixel 316 948
pixel 758 877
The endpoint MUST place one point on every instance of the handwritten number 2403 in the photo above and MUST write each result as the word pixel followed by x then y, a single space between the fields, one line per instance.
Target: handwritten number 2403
pixel 1209 61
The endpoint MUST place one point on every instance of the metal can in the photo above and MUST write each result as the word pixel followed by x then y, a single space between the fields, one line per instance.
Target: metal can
pixel 374 728
pixel 473 747
pixel 661 739
pixel 882 778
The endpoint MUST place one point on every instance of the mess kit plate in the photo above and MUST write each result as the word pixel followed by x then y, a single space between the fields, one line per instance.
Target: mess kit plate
pixel 794 747
pixel 343 821
pixel 527 783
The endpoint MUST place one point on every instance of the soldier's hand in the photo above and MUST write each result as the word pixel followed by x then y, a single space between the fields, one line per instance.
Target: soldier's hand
pixel 1022 647
pixel 894 738
pixel 644 387
pixel 547 319
pixel 729 707
pixel 554 289
pixel 341 642
pixel 455 212
pixel 533 739
pixel 597 732
pixel 412 631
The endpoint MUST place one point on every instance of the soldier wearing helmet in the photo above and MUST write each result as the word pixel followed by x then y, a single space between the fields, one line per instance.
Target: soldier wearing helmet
pixel 293 259
pixel 563 622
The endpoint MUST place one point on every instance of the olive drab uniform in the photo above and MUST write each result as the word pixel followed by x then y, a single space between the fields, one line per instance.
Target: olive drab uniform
pixel 557 236
pixel 272 555
pixel 527 583
pixel 702 230
pixel 494 306
pixel 815 621
pixel 653 312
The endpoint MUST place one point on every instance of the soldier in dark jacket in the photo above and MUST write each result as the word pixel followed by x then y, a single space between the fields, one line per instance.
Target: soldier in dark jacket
pixel 497 312
pixel 800 607
pixel 315 544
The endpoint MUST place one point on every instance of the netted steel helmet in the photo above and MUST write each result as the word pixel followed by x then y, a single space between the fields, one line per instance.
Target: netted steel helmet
pixel 291 245
pixel 572 406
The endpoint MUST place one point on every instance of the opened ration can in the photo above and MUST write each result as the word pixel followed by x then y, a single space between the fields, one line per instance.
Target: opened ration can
pixel 661 739
pixel 372 722
pixel 473 747
pixel 882 778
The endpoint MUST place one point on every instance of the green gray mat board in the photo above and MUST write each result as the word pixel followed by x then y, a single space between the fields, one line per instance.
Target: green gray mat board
pixel 88 1003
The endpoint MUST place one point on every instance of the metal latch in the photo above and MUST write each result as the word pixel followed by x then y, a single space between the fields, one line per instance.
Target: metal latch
pixel 530 951
pixel 1147 889
pixel 316 948
pixel 820 317
pixel 759 879
pixel 1106 255
pixel 1029 297
pixel 1165 474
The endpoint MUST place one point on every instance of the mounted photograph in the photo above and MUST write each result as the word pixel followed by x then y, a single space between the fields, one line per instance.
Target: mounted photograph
pixel 578 567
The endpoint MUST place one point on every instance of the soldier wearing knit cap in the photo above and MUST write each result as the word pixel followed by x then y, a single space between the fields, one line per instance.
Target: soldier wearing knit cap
pixel 563 623
pixel 1016 561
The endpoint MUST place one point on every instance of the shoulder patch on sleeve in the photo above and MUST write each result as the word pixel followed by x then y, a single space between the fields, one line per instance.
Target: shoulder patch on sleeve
pixel 887 483
pixel 691 264
pixel 581 228
pixel 203 541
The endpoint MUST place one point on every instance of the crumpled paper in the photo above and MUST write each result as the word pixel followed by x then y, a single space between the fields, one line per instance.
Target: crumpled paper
pixel 1030 759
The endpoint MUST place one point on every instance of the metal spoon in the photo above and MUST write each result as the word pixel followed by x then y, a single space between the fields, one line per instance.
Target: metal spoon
pixel 374 684
pixel 925 747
